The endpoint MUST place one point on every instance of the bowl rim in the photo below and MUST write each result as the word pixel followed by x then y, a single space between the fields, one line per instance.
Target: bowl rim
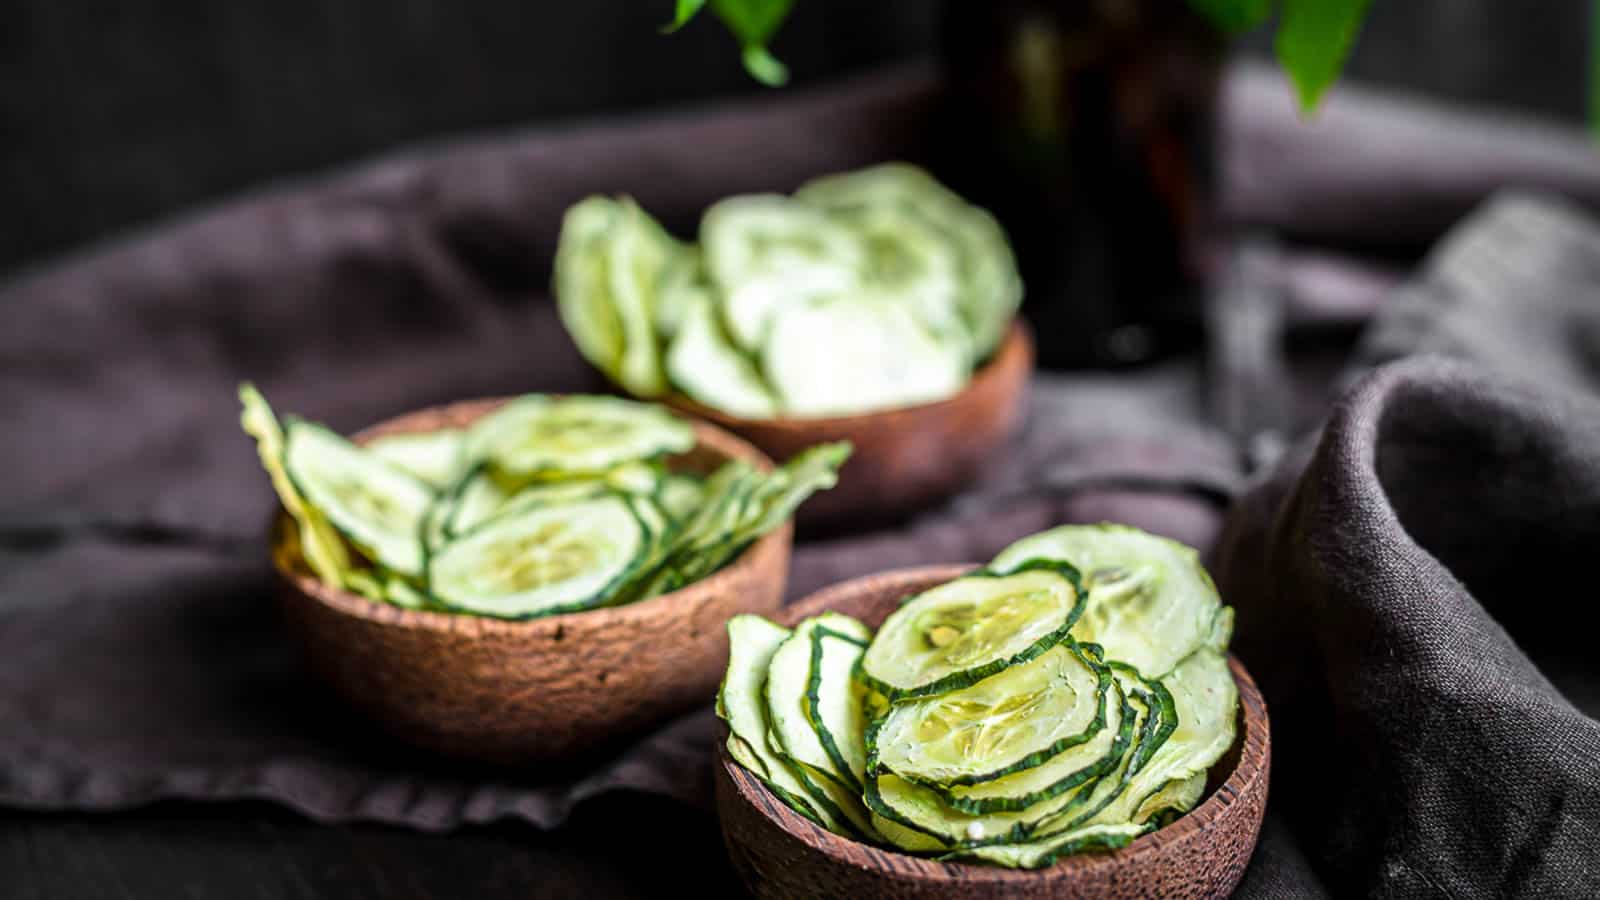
pixel 1253 740
pixel 1014 353
pixel 759 554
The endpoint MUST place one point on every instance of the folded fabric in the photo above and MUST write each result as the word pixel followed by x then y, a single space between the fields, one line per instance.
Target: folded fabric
pixel 1410 586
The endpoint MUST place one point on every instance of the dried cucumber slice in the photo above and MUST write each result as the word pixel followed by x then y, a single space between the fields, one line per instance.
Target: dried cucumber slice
pixel 752 641
pixel 703 364
pixel 539 434
pixel 857 352
pixel 1041 853
pixel 1066 770
pixel 1205 703
pixel 638 254
pixel 433 456
pixel 955 635
pixel 834 703
pixel 320 545
pixel 1012 721
pixel 378 506
pixel 1151 603
pixel 991 286
pixel 765 252
pixel 581 279
pixel 551 558
pixel 908 257
pixel 789 684
pixel 924 820
pixel 610 262
pixel 680 495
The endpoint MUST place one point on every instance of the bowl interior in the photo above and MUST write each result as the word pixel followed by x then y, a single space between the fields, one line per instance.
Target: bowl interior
pixel 871 599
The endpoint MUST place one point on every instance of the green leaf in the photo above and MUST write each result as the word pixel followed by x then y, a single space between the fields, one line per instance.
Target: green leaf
pixel 764 67
pixel 753 22
pixel 1314 38
pixel 687 9
pixel 1234 15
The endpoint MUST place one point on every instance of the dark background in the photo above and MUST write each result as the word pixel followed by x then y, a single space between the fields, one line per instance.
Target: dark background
pixel 116 114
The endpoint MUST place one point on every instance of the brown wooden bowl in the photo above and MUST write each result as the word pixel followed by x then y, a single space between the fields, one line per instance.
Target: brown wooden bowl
pixel 1202 854
pixel 904 459
pixel 544 690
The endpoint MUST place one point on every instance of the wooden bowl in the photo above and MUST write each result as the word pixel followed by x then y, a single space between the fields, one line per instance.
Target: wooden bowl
pixel 1202 854
pixel 544 690
pixel 904 459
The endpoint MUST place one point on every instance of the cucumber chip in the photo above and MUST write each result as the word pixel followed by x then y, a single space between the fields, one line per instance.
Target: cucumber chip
pixel 1151 603
pixel 959 633
pixel 704 364
pixel 377 505
pixel 538 434
pixel 853 353
pixel 433 456
pixel 1015 720
pixel 551 558
pixel 582 275
pixel 789 682
pixel 765 253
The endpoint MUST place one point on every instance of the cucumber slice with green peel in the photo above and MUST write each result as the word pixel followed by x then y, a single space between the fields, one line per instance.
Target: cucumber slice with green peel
pixel 403 593
pixel 551 558
pixel 834 703
pixel 683 284
pixel 680 495
pixel 789 681
pixel 909 257
pixel 433 456
pixel 1205 707
pixel 811 470
pixel 486 496
pixel 705 365
pixel 925 823
pixel 961 632
pixel 377 505
pixel 320 545
pixel 367 584
pixel 1175 798
pixel 858 352
pixel 923 820
pixel 637 254
pixel 642 478
pixel 1012 721
pixel 581 283
pixel 752 641
pixel 1042 853
pixel 991 286
pixel 1151 602
pixel 765 252
pixel 540 434
pixel 1067 770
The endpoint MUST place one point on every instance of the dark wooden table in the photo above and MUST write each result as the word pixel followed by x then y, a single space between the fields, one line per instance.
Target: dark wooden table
pixel 622 846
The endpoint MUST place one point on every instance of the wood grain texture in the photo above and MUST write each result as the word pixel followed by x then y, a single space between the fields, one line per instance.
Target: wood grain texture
pixel 539 691
pixel 904 459
pixel 1201 855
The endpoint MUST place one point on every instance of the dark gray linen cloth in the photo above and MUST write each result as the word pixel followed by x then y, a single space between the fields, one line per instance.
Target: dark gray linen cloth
pixel 140 657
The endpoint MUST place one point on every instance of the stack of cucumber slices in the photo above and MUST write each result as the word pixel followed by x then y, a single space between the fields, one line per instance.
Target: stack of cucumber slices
pixel 547 505
pixel 1069 697
pixel 862 291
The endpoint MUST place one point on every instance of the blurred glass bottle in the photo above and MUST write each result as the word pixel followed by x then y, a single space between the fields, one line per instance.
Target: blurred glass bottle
pixel 1087 127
